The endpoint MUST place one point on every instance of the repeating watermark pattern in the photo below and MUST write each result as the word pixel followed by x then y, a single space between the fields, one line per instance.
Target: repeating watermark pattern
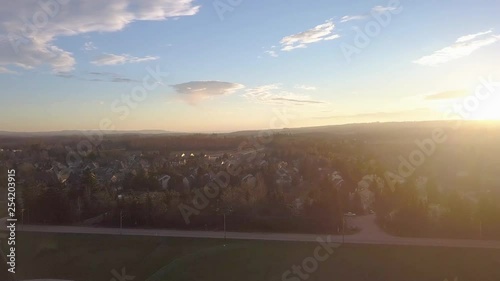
pixel 122 108
pixel 250 148
pixel 425 149
pixel 225 6
pixel 472 103
pixel 311 264
pixel 381 18
pixel 460 111
pixel 31 27
pixel 121 276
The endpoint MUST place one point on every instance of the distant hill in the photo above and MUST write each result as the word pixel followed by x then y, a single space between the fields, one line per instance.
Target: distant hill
pixel 80 132
pixel 329 129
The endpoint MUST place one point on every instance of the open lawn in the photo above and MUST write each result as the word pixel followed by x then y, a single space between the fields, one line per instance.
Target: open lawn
pixel 94 257
pixel 3 210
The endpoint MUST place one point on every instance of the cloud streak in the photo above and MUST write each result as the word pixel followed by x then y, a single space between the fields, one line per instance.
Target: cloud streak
pixel 383 9
pixel 112 59
pixel 296 101
pixel 275 95
pixel 305 87
pixel 4 70
pixel 472 36
pixel 322 32
pixel 272 53
pixel 447 95
pixel 352 18
pixel 463 47
pixel 374 10
pixel 97 77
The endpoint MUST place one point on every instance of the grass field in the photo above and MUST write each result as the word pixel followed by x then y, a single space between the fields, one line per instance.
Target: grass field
pixel 94 257
pixel 3 211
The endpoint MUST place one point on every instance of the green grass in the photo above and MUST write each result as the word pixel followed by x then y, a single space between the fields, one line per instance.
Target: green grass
pixel 3 211
pixel 93 257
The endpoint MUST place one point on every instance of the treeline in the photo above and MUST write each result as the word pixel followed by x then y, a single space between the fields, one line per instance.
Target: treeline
pixel 260 207
pixel 450 214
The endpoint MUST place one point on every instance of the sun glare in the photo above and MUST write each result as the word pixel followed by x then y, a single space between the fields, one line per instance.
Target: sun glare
pixel 487 110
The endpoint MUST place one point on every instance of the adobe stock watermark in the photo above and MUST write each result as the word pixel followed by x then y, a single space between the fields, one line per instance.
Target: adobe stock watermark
pixel 427 147
pixel 122 108
pixel 251 147
pixel 47 10
pixel 225 6
pixel 121 276
pixel 309 265
pixel 472 103
pixel 381 18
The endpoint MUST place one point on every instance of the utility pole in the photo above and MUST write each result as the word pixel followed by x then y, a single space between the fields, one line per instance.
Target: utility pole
pixel 480 229
pixel 121 221
pixel 341 211
pixel 22 218
pixel 343 229
pixel 225 236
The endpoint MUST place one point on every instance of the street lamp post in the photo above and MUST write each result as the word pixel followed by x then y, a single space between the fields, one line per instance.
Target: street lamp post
pixel 225 211
pixel 22 218
pixel 121 221
pixel 343 229
pixel 225 235
pixel 480 229
pixel 339 206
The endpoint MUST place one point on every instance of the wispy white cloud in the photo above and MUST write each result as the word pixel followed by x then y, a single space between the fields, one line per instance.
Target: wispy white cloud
pixel 472 36
pixel 97 77
pixel 6 71
pixel 194 92
pixel 301 40
pixel 447 95
pixel 332 37
pixel 374 10
pixel 297 101
pixel 272 53
pixel 112 59
pixel 305 87
pixel 30 46
pixel 262 92
pixel 463 46
pixel 382 9
pixel 274 94
pixel 351 18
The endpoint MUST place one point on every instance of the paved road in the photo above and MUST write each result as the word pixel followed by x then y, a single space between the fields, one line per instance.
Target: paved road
pixel 370 234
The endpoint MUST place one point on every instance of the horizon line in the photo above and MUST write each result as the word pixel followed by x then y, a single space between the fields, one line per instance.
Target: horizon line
pixel 165 131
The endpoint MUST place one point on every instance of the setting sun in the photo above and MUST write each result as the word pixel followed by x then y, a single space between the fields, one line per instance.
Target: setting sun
pixel 488 109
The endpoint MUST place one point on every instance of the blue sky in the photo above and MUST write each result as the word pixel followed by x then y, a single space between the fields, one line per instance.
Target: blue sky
pixel 67 64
